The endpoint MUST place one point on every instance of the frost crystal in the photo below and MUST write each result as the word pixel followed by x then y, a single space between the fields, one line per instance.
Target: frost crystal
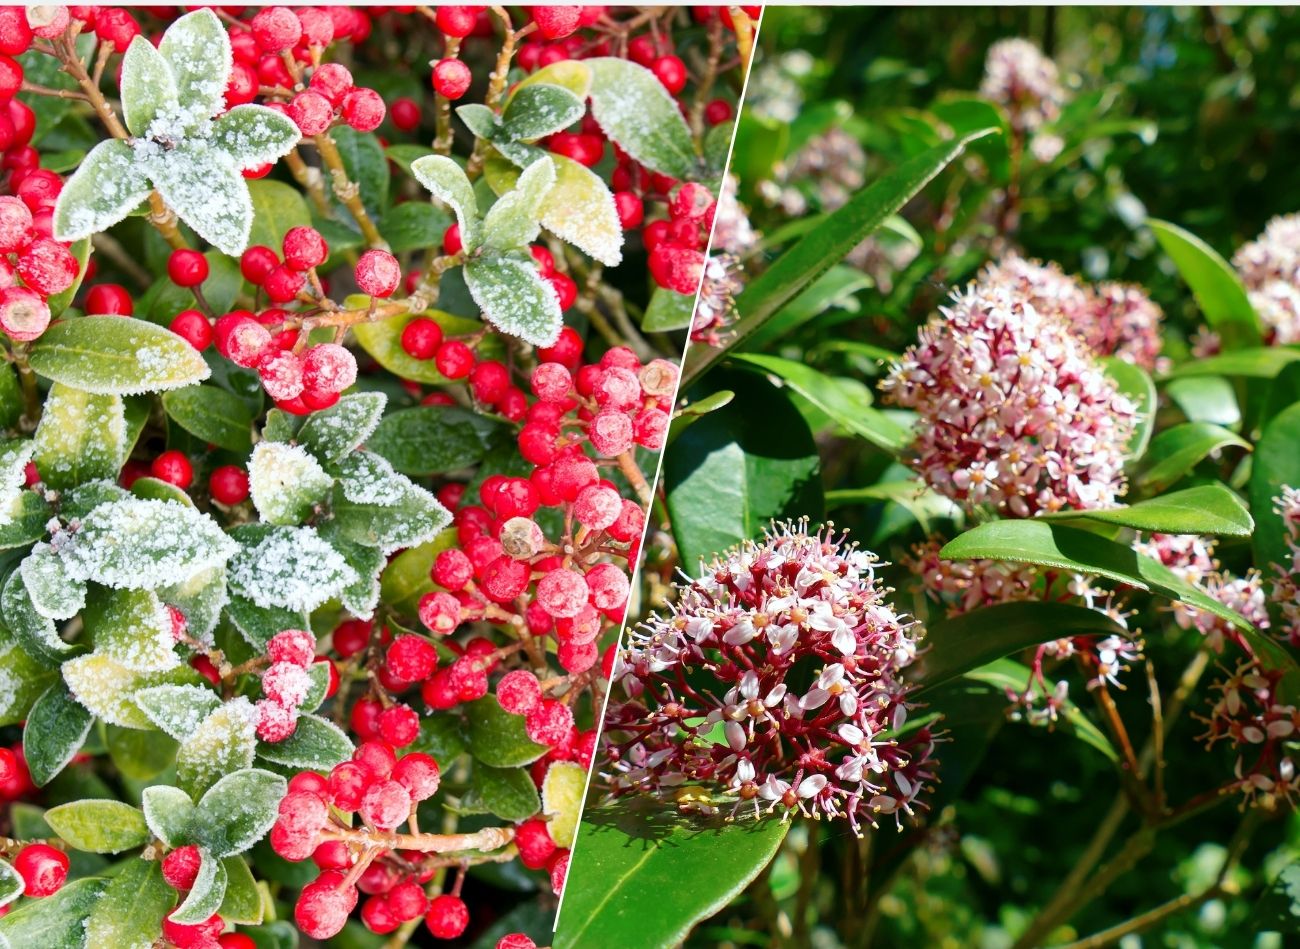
pixel 289 567
pixel 54 594
pixel 144 544
pixel 14 456
pixel 225 741
pixel 177 709
pixel 367 478
pixel 285 481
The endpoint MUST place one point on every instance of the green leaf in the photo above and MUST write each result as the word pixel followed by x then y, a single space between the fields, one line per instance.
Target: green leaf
pixel 668 310
pixel 540 109
pixel 36 634
pixel 25 679
pixel 1247 363
pixel 206 895
pixel 11 884
pixel 647 875
pixel 563 790
pixel 1206 399
pixel 515 219
pixel 61 301
pixel 133 627
pixel 106 687
pixel 958 644
pixel 823 392
pixel 515 299
pixel 496 737
pixel 147 87
pixel 107 355
pixel 826 246
pixel 200 598
pixel 139 755
pixel 1176 451
pixel 384 509
pixel 447 182
pixel 1065 548
pixel 413 225
pixel 107 186
pixel 99 826
pixel 1276 463
pixel 432 439
pixel 243 900
pixel 509 793
pixel 332 433
pixel 81 437
pixel 1135 383
pixel 57 920
pixel 238 810
pixel 178 710
pixel 29 514
pixel 1204 509
pixel 257 624
pixel 572 74
pixel 727 477
pixel 406 578
pixel 254 135
pixel 286 482
pixel 203 185
pixel 132 908
pixel 634 109
pixel 277 208
pixel 291 568
pixel 197 49
pixel 479 119
pixel 169 813
pixel 962 115
pixel 367 167
pixel 213 415
pixel 835 288
pixel 1278 909
pixel 56 729
pixel 315 743
pixel 54 593
pixel 224 742
pixel 1215 285
pixel 11 396
pixel 383 341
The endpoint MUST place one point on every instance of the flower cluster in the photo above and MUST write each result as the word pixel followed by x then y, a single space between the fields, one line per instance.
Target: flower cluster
pixel 1270 268
pixel 965 585
pixel 1019 76
pixel 1014 412
pixel 1250 715
pixel 811 702
pixel 1284 590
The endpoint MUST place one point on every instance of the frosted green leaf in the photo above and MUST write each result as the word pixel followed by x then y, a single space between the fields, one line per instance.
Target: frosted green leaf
pixel 205 895
pixel 289 567
pixel 200 599
pixel 384 509
pixel 132 627
pixel 35 632
pixel 148 88
pixel 254 135
pixel 238 810
pixel 538 110
pixel 11 884
pixel 129 915
pixel 447 182
pixel 225 741
pixel 479 119
pixel 57 920
pixel 515 220
pixel 81 437
pixel 99 825
pixel 367 478
pixel 286 482
pixel 56 728
pixel 14 456
pixel 572 74
pixel 107 687
pixel 79 501
pixel 144 544
pixel 107 355
pixel 22 679
pixel 197 49
pixel 243 903
pixel 515 299
pixel 202 184
pixel 579 208
pixel 105 188
pixel 635 110
pixel 361 597
pixel 258 624
pixel 562 793
pixel 332 433
pixel 316 743
pixel 169 813
pixel 54 593
pixel 178 710
pixel 520 154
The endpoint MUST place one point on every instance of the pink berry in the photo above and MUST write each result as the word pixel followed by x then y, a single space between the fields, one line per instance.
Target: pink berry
pixel 324 905
pixel 328 368
pixel 399 725
pixel 23 314
pixel 386 804
pixel 650 428
pixel 378 273
pixel 47 266
pixel 419 774
pixel 311 112
pixel 597 506
pixel 608 585
pixel 304 248
pixel 276 29
pixel 412 658
pixel 297 646
pixel 451 78
pixel 240 338
pixel 282 376
pixel 440 612
pixel 555 23
pixel 332 80
pixel 452 569
pixel 275 720
pixel 519 691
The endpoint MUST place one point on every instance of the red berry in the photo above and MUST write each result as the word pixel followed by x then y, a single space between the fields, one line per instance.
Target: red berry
pixel 451 242
pixel 399 725
pixel 193 327
pixel 256 264
pixel 565 289
pixel 347 785
pixel 412 658
pixel 419 774
pixel 324 905
pixel 534 842
pixel 15 224
pixel 670 71
pixel 489 381
pixel 451 78
pixel 378 916
pixel 328 369
pixel 236 941
pixel 332 80
pixel 180 868
pixel 117 26
pixel 304 248
pixel 440 612
pixel 677 268
pixel 448 916
pixel 311 112
pixel 42 868
pixel 717 112
pixel 549 723
pixel 364 109
pixel 421 338
pixel 174 468
pixel 386 805
pixel 555 23
pixel 378 273
pixel 519 691
pixel 283 283
pixel 276 29
pixel 375 756
pixel 631 212
pixel 109 299
pixel 558 870
pixel 15 32
pixel 197 936
pixel 23 314
pixel 187 268
pixel 406 114
pixel 516 941
pixel 457 21
pixel 454 359
pixel 562 592
pixel 228 485
pixel 281 376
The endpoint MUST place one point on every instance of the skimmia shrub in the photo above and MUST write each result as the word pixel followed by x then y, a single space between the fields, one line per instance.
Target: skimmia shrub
pixel 1062 661
pixel 332 386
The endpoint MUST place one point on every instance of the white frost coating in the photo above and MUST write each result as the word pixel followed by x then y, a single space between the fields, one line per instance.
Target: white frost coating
pixel 540 109
pixel 514 221
pixel 79 433
pixel 200 599
pixel 367 478
pixel 54 594
pixel 580 209
pixel 292 568
pixel 178 710
pixel 133 627
pixel 225 741
pixel 634 109
pixel 105 686
pixel 285 481
pixel 167 812
pixel 192 161
pixel 144 544
pixel 332 433
pixel 447 182
pixel 515 299
pixel 14 456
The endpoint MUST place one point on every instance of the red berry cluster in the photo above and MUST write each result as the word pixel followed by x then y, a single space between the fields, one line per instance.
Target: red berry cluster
pixel 676 245
pixel 285 683
pixel 33 265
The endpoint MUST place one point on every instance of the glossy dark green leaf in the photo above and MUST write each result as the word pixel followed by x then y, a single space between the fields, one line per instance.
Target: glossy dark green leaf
pixel 958 644
pixel 56 728
pixel 821 249
pixel 1204 509
pixel 497 737
pixel 1217 288
pixel 1264 363
pixel 668 310
pixel 315 743
pixel 643 876
pixel 1135 383
pixel 57 920
pixel 835 287
pixel 1176 451
pixel 1278 909
pixel 1206 399
pixel 367 167
pixel 132 908
pixel 728 476
pixel 509 793
pixel 243 900
pixel 139 755
pixel 414 225
pixel 1276 463
pixel 212 414
pixel 430 439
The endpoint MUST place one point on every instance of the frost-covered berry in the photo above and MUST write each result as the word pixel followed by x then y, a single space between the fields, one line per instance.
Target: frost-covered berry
pixel 448 916
pixel 597 506
pixel 534 842
pixel 549 722
pixel 240 338
pixel 421 338
pixel 519 691
pixel 555 23
pixel 193 327
pixel 283 283
pixel 229 485
pixel 399 725
pixel 281 376
pixel 187 268
pixel 324 905
pixel 180 868
pixel 24 315
pixel 386 805
pixel 677 268
pixel 375 756
pixel 173 467
pixel 650 428
pixel 419 774
pixel 558 870
pixel 304 248
pixel 311 112
pixel 576 658
pixel 15 224
pixel 611 433
pixel 451 78
pixel 412 658
pixel 562 592
pixel 276 29
pixel 16 32
pixel 192 936
pixel 364 109
pixel 348 783
pixel 609 586
pixel 378 916
pixel 332 80
pixel 516 941
pixel 47 266
pixel 275 720
pixel 296 646
pixel 43 869
pixel 317 26
pixel 551 382
pixel 440 612
pixel 452 569
pixel 378 273
pixel 328 368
